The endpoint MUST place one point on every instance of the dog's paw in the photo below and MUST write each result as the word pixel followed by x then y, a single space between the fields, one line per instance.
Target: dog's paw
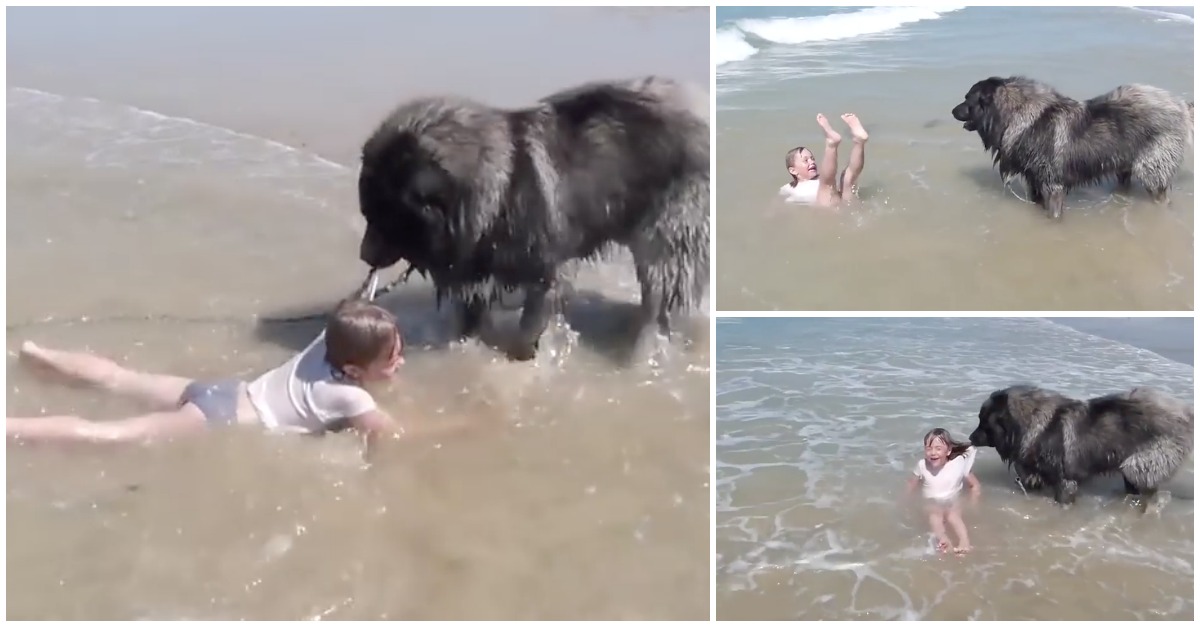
pixel 522 351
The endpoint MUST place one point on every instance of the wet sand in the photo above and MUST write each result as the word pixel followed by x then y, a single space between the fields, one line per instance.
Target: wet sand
pixel 176 177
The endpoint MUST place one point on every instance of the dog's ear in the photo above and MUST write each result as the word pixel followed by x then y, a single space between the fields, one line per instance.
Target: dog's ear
pixel 1005 427
pixel 428 186
pixel 439 197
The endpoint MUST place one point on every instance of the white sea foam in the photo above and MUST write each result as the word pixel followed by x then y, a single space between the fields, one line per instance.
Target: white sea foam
pixel 1167 16
pixel 732 45
pixel 105 135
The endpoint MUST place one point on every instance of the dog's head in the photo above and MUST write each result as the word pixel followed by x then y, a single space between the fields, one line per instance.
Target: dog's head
pixel 979 102
pixel 410 202
pixel 999 427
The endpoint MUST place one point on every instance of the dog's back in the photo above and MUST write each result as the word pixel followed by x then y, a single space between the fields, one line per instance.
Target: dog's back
pixel 1173 417
pixel 1143 109
pixel 631 162
pixel 1139 423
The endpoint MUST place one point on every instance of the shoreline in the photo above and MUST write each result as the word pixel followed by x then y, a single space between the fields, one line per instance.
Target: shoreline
pixel 1162 336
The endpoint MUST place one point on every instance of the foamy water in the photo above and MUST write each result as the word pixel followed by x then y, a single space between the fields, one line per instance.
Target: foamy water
pixel 818 425
pixel 163 240
pixel 934 226
pixel 731 42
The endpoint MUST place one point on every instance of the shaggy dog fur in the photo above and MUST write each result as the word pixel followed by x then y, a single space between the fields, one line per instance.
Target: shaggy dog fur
pixel 1058 144
pixel 484 200
pixel 1056 441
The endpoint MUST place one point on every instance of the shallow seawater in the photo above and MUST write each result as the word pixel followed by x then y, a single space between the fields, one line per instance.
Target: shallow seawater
pixel 168 243
pixel 935 227
pixel 819 423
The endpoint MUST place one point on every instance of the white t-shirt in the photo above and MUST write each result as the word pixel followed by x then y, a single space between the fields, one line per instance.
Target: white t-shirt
pixel 804 191
pixel 305 395
pixel 948 482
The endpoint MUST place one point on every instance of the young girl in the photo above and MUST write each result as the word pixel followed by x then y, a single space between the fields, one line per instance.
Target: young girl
pixel 320 389
pixel 819 185
pixel 941 474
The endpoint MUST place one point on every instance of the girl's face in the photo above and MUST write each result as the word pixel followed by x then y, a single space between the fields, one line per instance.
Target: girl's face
pixel 804 166
pixel 384 366
pixel 936 450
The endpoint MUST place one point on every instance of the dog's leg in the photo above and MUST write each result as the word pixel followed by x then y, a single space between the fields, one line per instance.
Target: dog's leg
pixel 541 303
pixel 1066 491
pixel 653 316
pixel 1125 181
pixel 1056 198
pixel 1028 481
pixel 1035 192
pixel 471 313
pixel 1159 195
pixel 658 316
pixel 1159 163
pixel 1144 495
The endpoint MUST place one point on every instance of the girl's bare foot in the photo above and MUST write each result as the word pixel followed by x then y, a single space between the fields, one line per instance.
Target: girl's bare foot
pixel 36 356
pixel 943 545
pixel 962 549
pixel 832 137
pixel 39 361
pixel 856 128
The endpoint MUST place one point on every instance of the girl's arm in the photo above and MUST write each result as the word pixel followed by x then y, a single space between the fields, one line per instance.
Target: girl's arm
pixel 913 483
pixel 973 483
pixel 377 424
pixel 372 426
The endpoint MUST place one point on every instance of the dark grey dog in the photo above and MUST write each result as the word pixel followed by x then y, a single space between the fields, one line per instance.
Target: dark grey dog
pixel 1058 144
pixel 484 200
pixel 1056 441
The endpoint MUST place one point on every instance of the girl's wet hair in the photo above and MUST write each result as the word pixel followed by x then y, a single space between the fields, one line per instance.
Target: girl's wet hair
pixel 957 447
pixel 358 332
pixel 790 159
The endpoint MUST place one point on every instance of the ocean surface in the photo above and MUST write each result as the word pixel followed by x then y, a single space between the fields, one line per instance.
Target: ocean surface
pixel 935 228
pixel 174 177
pixel 819 422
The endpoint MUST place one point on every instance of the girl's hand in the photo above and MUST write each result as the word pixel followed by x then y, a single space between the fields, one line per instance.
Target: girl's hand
pixel 911 486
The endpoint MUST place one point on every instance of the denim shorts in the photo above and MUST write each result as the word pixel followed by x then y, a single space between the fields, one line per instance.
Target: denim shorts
pixel 217 400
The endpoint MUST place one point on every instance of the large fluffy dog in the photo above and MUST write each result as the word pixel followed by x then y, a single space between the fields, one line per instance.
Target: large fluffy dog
pixel 1057 143
pixel 1056 441
pixel 484 200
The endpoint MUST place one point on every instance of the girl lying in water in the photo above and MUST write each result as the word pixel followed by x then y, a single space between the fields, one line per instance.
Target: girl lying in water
pixel 318 390
pixel 941 474
pixel 820 185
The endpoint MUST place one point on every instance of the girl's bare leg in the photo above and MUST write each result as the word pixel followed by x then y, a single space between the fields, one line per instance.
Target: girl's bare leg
pixel 858 154
pixel 184 421
pixel 937 525
pixel 161 391
pixel 827 194
pixel 954 517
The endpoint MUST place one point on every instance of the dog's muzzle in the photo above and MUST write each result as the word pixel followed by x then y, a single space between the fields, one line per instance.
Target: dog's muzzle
pixel 375 252
pixel 962 113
